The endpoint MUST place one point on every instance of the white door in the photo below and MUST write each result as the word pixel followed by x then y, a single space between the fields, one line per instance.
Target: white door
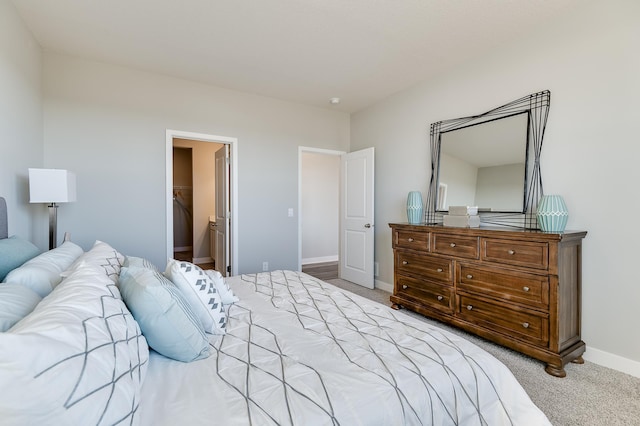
pixel 356 214
pixel 221 239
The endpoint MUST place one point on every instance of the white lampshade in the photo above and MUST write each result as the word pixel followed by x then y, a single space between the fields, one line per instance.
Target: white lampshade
pixel 51 186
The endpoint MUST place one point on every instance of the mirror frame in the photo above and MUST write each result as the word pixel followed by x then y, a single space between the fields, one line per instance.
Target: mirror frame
pixel 536 105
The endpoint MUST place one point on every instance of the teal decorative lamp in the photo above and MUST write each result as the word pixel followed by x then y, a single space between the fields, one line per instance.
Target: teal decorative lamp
pixel 552 213
pixel 414 208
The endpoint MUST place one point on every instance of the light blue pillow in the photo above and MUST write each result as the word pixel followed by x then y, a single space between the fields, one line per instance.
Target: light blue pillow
pixel 166 320
pixel 16 302
pixel 14 251
pixel 139 262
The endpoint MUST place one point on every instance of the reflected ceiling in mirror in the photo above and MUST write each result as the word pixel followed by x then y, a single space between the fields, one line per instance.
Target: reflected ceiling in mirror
pixel 484 165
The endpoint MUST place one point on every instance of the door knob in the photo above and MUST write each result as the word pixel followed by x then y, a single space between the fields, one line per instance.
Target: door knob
pixel 368 225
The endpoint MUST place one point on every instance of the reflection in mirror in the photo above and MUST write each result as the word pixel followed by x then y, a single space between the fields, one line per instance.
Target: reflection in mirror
pixel 484 165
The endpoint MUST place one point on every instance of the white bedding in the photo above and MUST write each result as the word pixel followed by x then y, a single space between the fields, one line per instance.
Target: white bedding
pixel 301 351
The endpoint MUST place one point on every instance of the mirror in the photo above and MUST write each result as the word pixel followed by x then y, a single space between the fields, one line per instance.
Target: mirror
pixel 484 165
pixel 492 161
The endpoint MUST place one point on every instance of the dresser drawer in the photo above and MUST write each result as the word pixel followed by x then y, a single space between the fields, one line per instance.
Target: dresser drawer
pixel 519 324
pixel 424 292
pixel 429 267
pixel 412 240
pixel 454 245
pixel 527 289
pixel 518 253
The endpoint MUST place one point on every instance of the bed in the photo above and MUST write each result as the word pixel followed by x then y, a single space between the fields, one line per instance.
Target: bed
pixel 290 350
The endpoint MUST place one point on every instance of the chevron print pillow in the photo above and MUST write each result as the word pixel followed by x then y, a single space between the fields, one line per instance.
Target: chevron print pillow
pixel 200 292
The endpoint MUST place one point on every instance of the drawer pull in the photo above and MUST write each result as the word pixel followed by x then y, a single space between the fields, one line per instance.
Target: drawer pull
pixel 404 262
pixel 469 276
pixel 469 307
pixel 452 245
pixel 525 288
pixel 511 252
pixel 440 298
pixel 404 286
pixel 410 240
pixel 525 324
pixel 439 269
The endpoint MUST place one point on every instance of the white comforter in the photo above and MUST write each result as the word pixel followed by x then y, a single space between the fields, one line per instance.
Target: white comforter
pixel 301 351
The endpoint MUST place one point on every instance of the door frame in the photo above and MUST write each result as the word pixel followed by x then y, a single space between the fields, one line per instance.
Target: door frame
pixel 301 150
pixel 233 195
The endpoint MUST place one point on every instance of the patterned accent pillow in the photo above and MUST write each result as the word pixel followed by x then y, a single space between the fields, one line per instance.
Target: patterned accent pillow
pixel 201 293
pixel 102 256
pixel 78 358
pixel 223 288
pixel 166 319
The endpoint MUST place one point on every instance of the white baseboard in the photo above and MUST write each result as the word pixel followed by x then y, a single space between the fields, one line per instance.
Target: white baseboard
pixel 311 260
pixel 384 286
pixel 613 361
pixel 197 260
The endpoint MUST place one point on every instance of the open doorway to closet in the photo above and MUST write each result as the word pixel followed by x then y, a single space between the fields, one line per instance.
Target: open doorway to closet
pixel 202 200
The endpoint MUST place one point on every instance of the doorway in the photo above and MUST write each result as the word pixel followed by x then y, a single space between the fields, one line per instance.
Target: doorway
pixel 204 207
pixel 319 212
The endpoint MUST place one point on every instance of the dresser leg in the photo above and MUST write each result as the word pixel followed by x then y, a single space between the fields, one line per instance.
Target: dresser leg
pixel 396 306
pixel 555 370
pixel 578 360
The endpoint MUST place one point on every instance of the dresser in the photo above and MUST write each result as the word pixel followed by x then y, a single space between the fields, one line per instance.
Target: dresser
pixel 518 288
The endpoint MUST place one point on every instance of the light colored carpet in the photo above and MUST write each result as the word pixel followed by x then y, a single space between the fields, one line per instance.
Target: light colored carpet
pixel 590 395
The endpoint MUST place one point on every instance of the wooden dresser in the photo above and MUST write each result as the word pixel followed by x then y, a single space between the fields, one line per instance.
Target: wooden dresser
pixel 518 288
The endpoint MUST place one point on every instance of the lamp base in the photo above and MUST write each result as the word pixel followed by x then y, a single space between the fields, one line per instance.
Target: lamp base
pixel 53 225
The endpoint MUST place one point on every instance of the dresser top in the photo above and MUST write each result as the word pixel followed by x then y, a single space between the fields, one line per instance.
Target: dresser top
pixel 494 231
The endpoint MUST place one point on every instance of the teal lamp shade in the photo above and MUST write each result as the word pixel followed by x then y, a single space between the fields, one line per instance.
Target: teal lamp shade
pixel 552 213
pixel 414 208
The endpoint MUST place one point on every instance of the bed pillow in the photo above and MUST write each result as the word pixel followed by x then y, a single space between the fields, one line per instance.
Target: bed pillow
pixel 200 292
pixel 42 273
pixel 16 302
pixel 78 358
pixel 223 288
pixel 139 262
pixel 166 320
pixel 14 251
pixel 102 256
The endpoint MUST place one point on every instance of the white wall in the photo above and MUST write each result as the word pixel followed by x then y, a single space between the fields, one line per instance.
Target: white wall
pixel 589 61
pixel 108 124
pixel 20 124
pixel 320 203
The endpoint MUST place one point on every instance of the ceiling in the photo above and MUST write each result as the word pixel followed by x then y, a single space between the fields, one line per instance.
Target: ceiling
pixel 305 51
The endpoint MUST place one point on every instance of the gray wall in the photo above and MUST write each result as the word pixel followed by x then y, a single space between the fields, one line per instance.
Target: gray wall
pixel 589 60
pixel 108 123
pixel 20 123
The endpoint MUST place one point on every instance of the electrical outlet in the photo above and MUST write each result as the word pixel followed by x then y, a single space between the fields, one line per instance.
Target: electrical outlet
pixel 376 269
pixel 290 212
pixel 265 266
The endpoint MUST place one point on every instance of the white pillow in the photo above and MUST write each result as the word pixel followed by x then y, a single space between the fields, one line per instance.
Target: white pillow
pixel 78 358
pixel 102 256
pixel 200 292
pixel 16 302
pixel 140 262
pixel 42 273
pixel 223 288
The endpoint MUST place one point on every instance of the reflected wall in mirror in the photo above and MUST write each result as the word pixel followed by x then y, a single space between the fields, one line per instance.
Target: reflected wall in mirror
pixel 484 165
pixel 492 161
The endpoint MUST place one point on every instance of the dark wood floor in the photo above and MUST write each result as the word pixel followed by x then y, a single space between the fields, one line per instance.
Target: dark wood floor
pixel 324 271
pixel 188 256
